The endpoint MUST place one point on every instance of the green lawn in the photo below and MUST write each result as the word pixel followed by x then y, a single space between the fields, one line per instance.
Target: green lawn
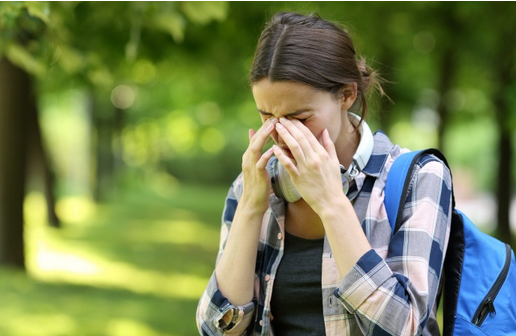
pixel 133 267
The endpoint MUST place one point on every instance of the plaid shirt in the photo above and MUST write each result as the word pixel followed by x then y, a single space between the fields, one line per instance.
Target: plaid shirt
pixel 392 288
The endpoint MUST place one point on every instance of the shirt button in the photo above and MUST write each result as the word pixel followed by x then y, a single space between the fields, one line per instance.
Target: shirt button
pixel 267 277
pixel 280 235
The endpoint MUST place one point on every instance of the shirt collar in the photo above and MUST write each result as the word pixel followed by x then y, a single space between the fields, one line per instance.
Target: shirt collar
pixel 381 149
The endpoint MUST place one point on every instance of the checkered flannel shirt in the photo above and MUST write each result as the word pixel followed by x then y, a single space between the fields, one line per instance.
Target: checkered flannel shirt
pixel 392 288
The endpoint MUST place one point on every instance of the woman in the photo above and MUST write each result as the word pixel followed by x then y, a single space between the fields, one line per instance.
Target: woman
pixel 325 263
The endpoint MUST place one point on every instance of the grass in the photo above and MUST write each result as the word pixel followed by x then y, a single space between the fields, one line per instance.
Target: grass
pixel 133 267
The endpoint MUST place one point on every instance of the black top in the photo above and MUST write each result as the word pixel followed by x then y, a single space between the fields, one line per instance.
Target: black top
pixel 296 303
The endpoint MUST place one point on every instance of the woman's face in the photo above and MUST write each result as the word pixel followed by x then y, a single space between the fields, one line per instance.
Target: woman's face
pixel 316 109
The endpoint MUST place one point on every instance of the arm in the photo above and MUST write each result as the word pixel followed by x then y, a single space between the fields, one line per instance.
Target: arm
pixel 226 306
pixel 216 315
pixel 395 295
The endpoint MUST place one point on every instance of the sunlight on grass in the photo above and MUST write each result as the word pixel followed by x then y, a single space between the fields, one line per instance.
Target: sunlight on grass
pixel 52 259
pixel 49 262
pixel 126 327
pixel 59 266
pixel 40 324
pixel 136 265
pixel 75 209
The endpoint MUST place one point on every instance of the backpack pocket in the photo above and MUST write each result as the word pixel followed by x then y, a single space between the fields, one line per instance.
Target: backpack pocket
pixel 487 307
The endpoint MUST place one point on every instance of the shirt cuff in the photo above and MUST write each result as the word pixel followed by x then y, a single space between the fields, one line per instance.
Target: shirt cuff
pixel 229 317
pixel 368 274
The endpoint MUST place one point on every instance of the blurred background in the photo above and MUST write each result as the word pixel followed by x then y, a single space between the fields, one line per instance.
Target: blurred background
pixel 122 125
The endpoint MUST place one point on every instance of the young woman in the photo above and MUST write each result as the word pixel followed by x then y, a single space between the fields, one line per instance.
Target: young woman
pixel 324 261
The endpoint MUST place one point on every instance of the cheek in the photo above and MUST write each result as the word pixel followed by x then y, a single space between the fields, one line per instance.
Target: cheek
pixel 317 131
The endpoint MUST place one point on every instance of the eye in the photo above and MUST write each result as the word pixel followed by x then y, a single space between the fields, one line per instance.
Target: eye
pixel 302 120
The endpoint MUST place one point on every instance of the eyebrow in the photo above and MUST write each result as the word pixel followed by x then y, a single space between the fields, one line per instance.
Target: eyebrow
pixel 290 114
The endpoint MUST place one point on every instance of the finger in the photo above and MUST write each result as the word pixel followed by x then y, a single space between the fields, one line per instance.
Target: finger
pixel 312 139
pixel 295 145
pixel 285 161
pixel 257 139
pixel 303 136
pixel 252 132
pixel 264 159
pixel 328 144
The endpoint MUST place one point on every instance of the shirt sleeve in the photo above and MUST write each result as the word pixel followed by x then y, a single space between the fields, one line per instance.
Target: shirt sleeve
pixel 395 295
pixel 215 314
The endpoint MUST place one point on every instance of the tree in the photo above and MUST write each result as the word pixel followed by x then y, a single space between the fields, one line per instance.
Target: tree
pixel 38 37
pixel 16 99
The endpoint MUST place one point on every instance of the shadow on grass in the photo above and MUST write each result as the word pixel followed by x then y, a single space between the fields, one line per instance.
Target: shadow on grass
pixel 36 308
pixel 134 266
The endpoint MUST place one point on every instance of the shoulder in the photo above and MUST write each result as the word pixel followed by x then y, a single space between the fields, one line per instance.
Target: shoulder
pixel 431 164
pixel 430 177
pixel 427 170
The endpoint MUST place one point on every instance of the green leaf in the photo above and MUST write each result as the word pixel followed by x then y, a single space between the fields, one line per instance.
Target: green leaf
pixel 69 59
pixel 21 57
pixel 39 9
pixel 202 12
pixel 171 22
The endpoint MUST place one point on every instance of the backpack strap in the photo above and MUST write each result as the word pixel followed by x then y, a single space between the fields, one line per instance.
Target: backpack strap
pixel 398 180
pixel 395 187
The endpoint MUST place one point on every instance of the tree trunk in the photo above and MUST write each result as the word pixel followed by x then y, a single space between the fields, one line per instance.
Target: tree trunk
pixel 447 68
pixel 15 98
pixel 504 184
pixel 103 130
pixel 39 163
pixel 504 67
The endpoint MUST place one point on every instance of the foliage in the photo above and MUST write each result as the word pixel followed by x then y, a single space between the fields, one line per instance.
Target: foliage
pixel 179 71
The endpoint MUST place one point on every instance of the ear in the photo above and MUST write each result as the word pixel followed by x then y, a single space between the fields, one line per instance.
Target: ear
pixel 348 96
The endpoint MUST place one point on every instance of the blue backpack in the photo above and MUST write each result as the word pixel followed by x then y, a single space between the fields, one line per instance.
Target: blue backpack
pixel 479 270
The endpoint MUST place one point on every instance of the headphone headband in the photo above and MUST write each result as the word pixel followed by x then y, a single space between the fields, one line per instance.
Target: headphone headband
pixel 365 147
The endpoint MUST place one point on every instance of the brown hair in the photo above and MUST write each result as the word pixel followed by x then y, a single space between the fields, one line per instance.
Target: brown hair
pixel 310 50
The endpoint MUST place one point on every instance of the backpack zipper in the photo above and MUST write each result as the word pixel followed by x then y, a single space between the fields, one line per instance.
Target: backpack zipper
pixel 487 305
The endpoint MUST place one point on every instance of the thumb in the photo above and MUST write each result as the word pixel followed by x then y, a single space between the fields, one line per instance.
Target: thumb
pixel 252 132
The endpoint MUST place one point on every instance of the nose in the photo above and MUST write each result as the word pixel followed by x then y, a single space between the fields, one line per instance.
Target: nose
pixel 274 134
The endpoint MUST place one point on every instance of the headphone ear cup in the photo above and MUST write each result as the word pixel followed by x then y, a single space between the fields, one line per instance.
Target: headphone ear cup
pixel 282 183
pixel 289 191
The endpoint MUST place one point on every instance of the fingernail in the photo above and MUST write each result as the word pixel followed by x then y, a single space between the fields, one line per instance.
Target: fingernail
pixel 279 126
pixel 283 119
pixel 274 120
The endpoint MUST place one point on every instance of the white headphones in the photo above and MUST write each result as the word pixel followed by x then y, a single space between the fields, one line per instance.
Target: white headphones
pixel 284 188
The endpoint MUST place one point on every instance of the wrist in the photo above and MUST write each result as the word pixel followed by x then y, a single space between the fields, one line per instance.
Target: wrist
pixel 339 207
pixel 253 207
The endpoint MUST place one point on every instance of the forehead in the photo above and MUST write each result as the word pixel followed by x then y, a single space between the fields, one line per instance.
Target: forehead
pixel 284 96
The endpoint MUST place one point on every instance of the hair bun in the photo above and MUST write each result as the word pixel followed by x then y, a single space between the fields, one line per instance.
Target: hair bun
pixel 370 78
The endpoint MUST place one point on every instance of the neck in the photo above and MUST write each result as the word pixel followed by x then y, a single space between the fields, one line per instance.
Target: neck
pixel 302 221
pixel 347 144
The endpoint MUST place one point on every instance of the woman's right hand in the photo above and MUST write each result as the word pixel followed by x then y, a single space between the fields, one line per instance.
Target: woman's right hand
pixel 256 180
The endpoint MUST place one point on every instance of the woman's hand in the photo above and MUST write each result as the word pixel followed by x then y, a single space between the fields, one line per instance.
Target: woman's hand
pixel 315 170
pixel 256 178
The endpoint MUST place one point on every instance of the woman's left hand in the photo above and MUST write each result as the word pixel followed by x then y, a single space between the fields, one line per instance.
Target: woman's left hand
pixel 316 170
